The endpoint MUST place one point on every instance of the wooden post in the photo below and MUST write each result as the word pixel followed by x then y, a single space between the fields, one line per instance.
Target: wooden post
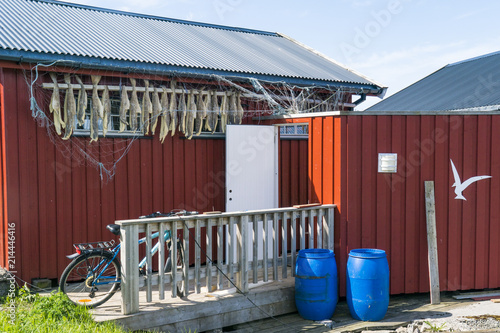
pixel 329 226
pixel 161 261
pixel 129 257
pixel 242 275
pixel 430 207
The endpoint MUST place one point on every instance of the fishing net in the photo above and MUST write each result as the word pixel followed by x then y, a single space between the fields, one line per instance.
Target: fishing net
pixel 82 112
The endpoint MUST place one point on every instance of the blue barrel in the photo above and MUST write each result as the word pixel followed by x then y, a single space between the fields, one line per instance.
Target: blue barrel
pixel 367 284
pixel 316 292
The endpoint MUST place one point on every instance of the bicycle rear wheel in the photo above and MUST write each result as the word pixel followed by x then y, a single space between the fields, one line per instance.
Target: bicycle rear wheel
pixel 78 281
pixel 181 290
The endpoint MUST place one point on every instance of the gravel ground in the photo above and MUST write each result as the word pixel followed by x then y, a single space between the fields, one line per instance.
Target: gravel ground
pixel 477 316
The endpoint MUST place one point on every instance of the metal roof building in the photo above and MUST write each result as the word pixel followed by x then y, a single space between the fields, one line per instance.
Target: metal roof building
pixel 469 85
pixel 45 30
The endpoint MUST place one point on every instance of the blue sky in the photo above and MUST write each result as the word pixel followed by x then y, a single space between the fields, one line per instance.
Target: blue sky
pixel 393 42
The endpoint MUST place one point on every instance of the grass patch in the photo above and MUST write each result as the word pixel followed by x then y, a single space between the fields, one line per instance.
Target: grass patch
pixel 53 313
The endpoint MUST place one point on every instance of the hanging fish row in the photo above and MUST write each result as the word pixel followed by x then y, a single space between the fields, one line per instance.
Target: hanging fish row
pixel 189 112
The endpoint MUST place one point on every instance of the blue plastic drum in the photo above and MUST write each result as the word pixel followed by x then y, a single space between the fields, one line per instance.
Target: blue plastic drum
pixel 316 292
pixel 367 284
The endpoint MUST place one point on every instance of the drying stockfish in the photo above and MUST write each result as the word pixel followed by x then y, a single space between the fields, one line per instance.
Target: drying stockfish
pixel 82 102
pixel 239 109
pixel 124 107
pixel 156 110
pixel 69 108
pixel 202 114
pixel 182 113
pixel 106 104
pixel 165 115
pixel 213 113
pixel 172 109
pixel 135 108
pixel 191 115
pixel 55 105
pixel 147 108
pixel 232 108
pixel 97 109
pixel 224 107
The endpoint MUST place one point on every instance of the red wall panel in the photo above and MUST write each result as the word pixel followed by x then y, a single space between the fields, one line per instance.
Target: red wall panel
pixel 387 211
pixel 56 198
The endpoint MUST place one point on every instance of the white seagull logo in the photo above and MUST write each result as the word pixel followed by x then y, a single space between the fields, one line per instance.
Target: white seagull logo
pixel 459 186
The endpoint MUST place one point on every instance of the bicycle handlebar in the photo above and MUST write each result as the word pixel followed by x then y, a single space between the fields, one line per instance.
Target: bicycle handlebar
pixel 175 212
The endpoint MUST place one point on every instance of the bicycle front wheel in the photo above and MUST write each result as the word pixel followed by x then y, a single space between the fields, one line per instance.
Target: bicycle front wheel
pixel 181 290
pixel 91 279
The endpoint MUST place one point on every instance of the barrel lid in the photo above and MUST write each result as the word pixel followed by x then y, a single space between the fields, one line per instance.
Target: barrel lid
pixel 316 253
pixel 367 253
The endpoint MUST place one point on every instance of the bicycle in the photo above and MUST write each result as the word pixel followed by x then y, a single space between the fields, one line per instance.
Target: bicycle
pixel 94 275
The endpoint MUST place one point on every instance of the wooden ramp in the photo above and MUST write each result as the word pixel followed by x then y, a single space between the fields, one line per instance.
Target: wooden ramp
pixel 205 311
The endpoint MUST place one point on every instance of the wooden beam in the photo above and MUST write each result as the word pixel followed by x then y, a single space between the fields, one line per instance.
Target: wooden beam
pixel 430 208
pixel 129 257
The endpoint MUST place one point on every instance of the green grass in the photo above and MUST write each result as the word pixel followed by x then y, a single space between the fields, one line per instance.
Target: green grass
pixel 53 313
pixel 434 328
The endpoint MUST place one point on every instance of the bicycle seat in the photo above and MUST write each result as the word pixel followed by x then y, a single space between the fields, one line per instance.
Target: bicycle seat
pixel 114 228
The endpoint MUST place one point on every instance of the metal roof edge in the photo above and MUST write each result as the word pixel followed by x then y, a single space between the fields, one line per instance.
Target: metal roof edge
pixel 168 70
pixel 474 58
pixel 383 88
pixel 377 113
pixel 153 17
pixel 486 108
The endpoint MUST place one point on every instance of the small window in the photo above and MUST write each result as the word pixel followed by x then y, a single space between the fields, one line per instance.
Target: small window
pixel 114 119
pixel 294 132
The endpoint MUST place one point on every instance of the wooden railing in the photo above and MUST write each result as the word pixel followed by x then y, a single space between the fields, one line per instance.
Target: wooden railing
pixel 309 227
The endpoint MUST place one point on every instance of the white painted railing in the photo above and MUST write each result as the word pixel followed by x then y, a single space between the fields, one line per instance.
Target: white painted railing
pixel 309 226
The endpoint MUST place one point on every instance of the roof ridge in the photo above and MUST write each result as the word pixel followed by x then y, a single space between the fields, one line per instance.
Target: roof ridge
pixel 474 58
pixel 153 17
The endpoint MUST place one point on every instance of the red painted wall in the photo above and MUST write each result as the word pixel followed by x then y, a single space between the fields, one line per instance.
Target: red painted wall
pixel 55 200
pixel 387 211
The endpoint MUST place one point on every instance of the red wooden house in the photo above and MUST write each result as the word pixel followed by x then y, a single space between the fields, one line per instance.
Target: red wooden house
pixel 60 189
pixel 58 192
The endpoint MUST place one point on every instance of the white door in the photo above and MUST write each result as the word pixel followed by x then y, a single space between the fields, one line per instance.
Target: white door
pixel 251 172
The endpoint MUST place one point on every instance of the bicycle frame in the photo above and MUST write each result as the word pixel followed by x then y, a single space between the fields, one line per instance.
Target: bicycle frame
pixel 98 280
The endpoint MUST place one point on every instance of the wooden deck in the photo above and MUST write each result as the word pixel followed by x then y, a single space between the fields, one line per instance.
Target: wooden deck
pixel 204 311
pixel 235 313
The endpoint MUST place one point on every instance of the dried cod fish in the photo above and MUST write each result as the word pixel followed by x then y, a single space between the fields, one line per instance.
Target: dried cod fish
pixel 165 115
pixel 55 105
pixel 156 110
pixel 82 102
pixel 135 108
pixel 239 109
pixel 70 108
pixel 201 113
pixel 232 108
pixel 172 109
pixel 224 107
pixel 124 107
pixel 106 104
pixel 191 114
pixel 147 108
pixel 182 113
pixel 213 113
pixel 97 109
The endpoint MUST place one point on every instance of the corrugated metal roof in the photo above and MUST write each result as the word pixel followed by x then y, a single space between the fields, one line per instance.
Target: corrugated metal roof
pixel 472 84
pixel 47 27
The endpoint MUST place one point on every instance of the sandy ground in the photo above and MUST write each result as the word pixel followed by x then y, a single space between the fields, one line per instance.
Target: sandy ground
pixel 475 316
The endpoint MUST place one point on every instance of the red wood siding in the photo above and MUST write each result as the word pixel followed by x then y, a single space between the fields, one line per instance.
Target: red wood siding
pixel 387 211
pixel 3 200
pixel 56 199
